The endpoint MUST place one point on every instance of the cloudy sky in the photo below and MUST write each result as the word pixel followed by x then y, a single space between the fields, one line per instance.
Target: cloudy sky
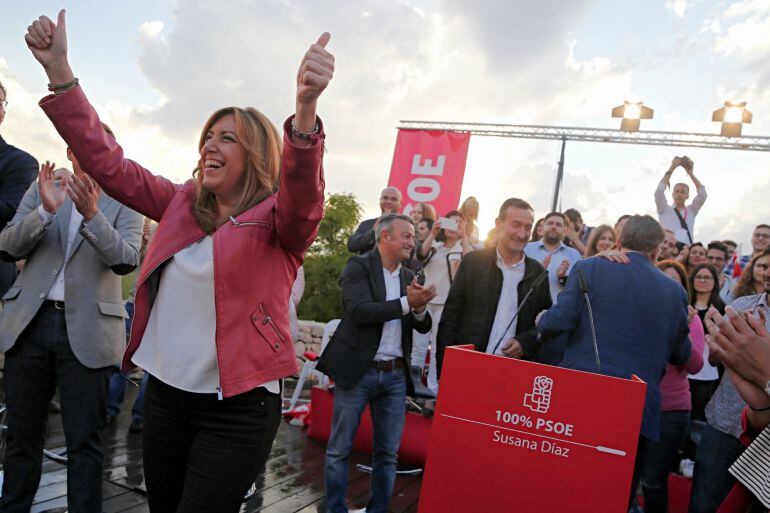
pixel 156 69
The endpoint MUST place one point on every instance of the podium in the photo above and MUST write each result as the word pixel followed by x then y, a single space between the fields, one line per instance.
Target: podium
pixel 511 435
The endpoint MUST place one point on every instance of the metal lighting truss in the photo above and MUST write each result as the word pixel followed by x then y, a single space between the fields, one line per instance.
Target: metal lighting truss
pixel 607 135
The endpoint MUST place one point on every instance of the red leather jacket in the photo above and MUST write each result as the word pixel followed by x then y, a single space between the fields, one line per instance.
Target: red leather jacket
pixel 256 254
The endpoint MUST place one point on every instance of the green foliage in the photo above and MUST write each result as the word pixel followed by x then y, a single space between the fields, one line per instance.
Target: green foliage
pixel 326 258
pixel 127 281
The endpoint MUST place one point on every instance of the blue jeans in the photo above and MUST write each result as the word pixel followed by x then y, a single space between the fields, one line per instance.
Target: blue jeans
pixel 717 451
pixel 118 384
pixel 660 459
pixel 117 393
pixel 385 393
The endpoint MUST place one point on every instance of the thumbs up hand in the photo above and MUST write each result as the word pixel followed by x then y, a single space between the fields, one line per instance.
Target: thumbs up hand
pixel 48 43
pixel 315 72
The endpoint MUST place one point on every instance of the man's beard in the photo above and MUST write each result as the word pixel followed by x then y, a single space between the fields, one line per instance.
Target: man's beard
pixel 551 239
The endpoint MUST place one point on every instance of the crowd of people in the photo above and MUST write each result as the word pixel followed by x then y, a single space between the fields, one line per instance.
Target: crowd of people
pixel 219 261
pixel 655 290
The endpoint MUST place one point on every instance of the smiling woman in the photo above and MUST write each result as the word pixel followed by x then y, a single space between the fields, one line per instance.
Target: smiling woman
pixel 210 320
pixel 240 152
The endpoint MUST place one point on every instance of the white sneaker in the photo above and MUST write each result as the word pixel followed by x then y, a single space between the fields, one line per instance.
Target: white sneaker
pixel 686 468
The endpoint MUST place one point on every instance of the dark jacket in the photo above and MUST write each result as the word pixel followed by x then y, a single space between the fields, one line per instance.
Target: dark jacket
pixel 357 338
pixel 470 308
pixel 362 241
pixel 18 170
pixel 641 324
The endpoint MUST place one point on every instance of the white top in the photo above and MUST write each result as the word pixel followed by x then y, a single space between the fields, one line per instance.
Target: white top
pixel 390 341
pixel 178 346
pixel 56 293
pixel 437 270
pixel 507 304
pixel 670 221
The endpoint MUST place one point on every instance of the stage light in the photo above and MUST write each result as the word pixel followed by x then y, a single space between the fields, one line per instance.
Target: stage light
pixel 732 116
pixel 632 113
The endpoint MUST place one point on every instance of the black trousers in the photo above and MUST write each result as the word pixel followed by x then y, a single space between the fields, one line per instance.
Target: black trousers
pixel 41 360
pixel 202 454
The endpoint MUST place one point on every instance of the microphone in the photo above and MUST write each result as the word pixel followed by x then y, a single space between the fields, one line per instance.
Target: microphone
pixel 537 282
pixel 584 291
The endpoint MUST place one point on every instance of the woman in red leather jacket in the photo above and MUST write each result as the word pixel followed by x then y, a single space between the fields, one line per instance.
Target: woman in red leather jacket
pixel 210 322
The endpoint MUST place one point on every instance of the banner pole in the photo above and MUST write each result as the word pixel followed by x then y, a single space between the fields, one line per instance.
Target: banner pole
pixel 559 177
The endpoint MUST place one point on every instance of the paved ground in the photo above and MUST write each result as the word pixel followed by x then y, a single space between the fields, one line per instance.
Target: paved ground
pixel 292 480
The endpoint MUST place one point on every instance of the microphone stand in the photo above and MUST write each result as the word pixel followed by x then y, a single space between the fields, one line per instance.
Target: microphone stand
pixel 584 290
pixel 521 305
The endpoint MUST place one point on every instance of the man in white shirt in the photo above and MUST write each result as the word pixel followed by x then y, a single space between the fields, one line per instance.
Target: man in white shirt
pixel 678 217
pixel 61 325
pixel 368 358
pixel 498 293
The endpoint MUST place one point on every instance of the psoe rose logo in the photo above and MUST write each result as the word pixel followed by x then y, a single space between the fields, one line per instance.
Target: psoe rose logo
pixel 539 400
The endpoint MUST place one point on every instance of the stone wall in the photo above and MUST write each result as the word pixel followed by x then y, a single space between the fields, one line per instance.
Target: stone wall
pixel 310 335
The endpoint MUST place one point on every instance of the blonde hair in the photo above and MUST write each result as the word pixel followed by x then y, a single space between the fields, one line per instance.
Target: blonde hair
pixel 263 145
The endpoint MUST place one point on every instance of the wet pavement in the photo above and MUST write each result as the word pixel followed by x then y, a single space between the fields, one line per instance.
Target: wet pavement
pixel 292 480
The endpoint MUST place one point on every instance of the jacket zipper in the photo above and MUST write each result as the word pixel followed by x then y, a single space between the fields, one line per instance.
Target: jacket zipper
pixel 237 223
pixel 269 320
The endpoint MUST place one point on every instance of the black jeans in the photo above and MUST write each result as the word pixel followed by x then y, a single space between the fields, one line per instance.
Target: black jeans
pixel 41 360
pixel 202 454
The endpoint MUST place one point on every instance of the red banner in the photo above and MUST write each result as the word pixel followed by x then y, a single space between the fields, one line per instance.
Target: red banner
pixel 511 435
pixel 428 167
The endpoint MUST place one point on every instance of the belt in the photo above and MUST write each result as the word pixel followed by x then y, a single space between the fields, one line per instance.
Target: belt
pixel 57 305
pixel 387 365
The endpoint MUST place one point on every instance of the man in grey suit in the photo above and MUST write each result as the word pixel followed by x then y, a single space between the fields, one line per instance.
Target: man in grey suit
pixel 62 322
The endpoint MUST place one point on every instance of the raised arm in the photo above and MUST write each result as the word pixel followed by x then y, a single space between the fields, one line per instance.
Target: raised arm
pixel 665 182
pixel 700 196
pixel 427 244
pixel 363 238
pixel 301 194
pixel 77 122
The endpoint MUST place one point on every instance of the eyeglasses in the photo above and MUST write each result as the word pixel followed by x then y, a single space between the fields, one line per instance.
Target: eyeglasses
pixel 762 235
pixel 704 278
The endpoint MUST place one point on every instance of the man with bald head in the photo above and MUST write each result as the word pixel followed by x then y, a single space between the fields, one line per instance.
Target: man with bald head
pixel 363 239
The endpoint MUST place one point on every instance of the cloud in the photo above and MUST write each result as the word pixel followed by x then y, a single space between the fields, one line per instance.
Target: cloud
pixel 748 37
pixel 678 7
pixel 446 60
pixel 511 61
pixel 151 29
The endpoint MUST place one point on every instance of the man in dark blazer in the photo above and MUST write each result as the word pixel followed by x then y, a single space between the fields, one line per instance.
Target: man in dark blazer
pixel 639 314
pixel 368 358
pixel 490 285
pixel 362 239
pixel 18 170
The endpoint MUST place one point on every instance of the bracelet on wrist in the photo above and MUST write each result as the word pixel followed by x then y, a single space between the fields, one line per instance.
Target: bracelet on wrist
pixel 303 135
pixel 62 87
pixel 759 409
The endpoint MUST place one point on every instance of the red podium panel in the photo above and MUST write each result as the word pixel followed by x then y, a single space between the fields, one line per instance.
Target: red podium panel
pixel 414 441
pixel 511 435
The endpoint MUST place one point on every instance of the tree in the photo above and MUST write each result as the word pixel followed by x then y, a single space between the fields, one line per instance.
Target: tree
pixel 326 258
